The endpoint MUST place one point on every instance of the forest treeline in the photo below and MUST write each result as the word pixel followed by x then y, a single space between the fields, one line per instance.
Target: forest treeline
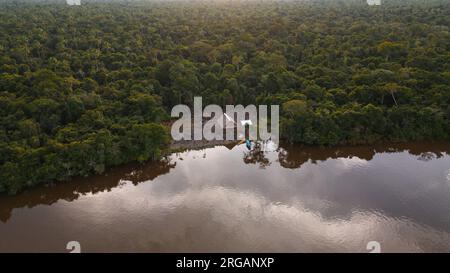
pixel 86 87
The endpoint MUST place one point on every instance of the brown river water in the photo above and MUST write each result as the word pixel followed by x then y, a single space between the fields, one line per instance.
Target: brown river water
pixel 229 199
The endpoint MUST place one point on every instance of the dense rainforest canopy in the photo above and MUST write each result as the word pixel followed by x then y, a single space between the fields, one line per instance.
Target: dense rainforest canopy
pixel 87 87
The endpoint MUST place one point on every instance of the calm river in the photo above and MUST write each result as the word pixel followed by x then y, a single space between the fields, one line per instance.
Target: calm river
pixel 228 199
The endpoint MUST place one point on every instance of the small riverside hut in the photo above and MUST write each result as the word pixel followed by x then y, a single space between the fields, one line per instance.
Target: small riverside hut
pixel 374 2
pixel 73 2
pixel 226 123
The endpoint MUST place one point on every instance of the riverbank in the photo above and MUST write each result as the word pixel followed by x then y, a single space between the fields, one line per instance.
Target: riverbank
pixel 200 144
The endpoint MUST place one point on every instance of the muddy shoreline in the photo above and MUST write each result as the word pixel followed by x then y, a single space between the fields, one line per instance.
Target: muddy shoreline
pixel 200 144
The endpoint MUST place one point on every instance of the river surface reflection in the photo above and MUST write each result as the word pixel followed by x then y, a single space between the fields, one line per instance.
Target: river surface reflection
pixel 229 199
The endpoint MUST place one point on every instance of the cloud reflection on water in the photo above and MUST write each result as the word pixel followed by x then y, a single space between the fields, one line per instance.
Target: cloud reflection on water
pixel 303 200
